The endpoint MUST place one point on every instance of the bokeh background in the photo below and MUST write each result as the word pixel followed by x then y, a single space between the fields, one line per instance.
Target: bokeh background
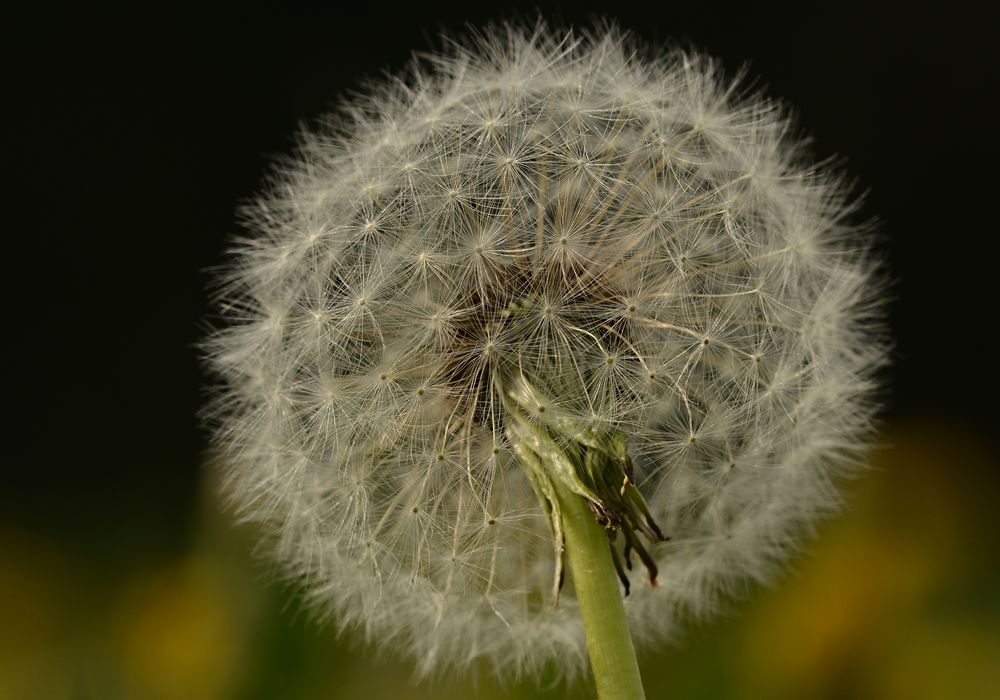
pixel 135 134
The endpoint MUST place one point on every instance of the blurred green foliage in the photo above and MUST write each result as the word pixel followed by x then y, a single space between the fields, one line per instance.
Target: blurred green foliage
pixel 896 599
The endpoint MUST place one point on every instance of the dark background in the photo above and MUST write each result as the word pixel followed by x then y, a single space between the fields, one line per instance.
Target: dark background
pixel 135 136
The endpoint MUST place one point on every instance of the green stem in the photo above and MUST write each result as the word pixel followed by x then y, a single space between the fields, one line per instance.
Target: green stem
pixel 612 656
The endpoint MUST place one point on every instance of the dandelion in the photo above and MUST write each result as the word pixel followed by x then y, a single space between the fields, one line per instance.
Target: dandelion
pixel 543 300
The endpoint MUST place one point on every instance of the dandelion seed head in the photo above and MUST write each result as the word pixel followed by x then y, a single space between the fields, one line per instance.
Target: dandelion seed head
pixel 618 246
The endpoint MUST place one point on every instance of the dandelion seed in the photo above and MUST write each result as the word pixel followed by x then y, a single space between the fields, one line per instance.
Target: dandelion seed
pixel 547 267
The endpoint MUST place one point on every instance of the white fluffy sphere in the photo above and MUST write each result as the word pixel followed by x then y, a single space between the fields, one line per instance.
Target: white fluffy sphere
pixel 608 246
